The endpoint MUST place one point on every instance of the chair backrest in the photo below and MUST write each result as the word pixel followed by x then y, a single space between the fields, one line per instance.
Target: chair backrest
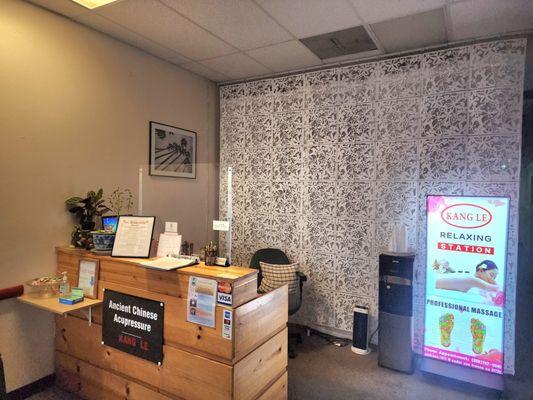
pixel 271 256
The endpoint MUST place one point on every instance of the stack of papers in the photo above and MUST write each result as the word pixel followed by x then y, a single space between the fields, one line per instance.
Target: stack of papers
pixel 169 263
pixel 169 244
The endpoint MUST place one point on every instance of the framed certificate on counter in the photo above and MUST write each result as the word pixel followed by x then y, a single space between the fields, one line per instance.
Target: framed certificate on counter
pixel 88 277
pixel 133 237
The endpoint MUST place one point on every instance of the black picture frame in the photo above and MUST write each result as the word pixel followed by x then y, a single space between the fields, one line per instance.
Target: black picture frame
pixel 172 151
pixel 114 252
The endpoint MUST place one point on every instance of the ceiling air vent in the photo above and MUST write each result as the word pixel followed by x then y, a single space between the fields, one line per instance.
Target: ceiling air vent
pixel 340 43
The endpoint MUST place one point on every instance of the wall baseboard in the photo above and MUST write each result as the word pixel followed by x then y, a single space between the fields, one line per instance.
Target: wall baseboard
pixel 343 334
pixel 331 331
pixel 32 388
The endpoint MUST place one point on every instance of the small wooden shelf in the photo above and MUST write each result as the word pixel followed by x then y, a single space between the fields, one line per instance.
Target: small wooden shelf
pixel 53 305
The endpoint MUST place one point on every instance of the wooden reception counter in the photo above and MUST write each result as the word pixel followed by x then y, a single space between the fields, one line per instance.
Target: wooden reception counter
pixel 199 363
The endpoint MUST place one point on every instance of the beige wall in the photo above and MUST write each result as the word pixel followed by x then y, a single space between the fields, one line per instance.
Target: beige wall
pixel 74 112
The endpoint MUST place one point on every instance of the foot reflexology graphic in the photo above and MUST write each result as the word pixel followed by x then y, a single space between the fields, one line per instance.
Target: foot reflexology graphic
pixel 479 330
pixel 446 326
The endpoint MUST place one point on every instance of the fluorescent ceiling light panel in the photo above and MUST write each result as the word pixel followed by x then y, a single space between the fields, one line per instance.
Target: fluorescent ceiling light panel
pixel 92 4
pixel 340 43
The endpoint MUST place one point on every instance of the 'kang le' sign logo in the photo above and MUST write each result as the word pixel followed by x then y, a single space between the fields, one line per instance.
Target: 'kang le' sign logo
pixel 465 280
pixel 465 215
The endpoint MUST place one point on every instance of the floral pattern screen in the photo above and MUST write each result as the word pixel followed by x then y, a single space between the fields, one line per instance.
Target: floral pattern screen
pixel 325 164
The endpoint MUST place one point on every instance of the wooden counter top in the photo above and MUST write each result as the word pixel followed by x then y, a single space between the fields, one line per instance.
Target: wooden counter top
pixel 53 305
pixel 230 274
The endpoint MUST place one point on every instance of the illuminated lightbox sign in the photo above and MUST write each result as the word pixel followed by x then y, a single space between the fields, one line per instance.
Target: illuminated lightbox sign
pixel 465 280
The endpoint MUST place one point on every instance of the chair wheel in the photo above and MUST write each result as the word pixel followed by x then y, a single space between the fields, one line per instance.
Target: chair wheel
pixel 292 354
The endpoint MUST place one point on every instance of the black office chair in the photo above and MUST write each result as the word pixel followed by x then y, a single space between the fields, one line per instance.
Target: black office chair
pixel 277 256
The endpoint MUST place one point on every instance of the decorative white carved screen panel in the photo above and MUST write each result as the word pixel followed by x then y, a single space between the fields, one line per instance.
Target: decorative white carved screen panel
pixel 326 162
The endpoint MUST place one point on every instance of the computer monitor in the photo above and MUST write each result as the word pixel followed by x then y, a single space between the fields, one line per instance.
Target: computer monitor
pixel 109 223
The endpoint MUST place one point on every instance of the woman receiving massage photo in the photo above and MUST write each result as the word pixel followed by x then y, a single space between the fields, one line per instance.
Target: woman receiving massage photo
pixel 484 279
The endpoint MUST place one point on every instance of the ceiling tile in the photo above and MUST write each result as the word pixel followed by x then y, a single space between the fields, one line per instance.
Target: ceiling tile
pixel 109 27
pixel 285 56
pixel 305 18
pixel 201 70
pixel 158 22
pixel 236 66
pixel 412 32
pixel 380 10
pixel 477 18
pixel 239 22
pixel 64 7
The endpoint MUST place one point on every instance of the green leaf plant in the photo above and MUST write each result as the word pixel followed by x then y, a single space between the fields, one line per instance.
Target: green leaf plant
pixel 86 209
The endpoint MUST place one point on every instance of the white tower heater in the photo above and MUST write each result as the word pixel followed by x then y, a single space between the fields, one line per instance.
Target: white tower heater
pixel 360 331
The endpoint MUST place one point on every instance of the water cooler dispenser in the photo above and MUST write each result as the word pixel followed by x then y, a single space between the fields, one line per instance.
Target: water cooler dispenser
pixel 396 311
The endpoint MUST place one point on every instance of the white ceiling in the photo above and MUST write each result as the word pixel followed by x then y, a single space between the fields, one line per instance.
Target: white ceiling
pixel 235 39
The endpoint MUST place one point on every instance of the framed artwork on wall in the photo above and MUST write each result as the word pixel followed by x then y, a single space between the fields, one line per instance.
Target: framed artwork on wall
pixel 172 151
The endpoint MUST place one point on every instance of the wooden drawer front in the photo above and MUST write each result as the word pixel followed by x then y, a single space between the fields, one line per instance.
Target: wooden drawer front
pixel 182 374
pixel 278 390
pixel 259 319
pixel 261 368
pixel 90 382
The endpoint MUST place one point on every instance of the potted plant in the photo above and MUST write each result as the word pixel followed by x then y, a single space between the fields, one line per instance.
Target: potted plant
pixel 103 240
pixel 86 210
pixel 81 238
pixel 120 200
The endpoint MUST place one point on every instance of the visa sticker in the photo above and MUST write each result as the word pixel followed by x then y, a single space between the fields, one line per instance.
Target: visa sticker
pixel 224 295
pixel 224 298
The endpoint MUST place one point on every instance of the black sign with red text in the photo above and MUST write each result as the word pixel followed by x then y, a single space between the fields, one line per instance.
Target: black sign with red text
pixel 133 325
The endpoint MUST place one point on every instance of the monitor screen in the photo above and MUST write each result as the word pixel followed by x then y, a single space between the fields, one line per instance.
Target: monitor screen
pixel 109 223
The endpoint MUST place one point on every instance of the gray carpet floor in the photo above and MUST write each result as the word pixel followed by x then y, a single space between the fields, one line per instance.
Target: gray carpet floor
pixel 322 371
pixel 53 394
